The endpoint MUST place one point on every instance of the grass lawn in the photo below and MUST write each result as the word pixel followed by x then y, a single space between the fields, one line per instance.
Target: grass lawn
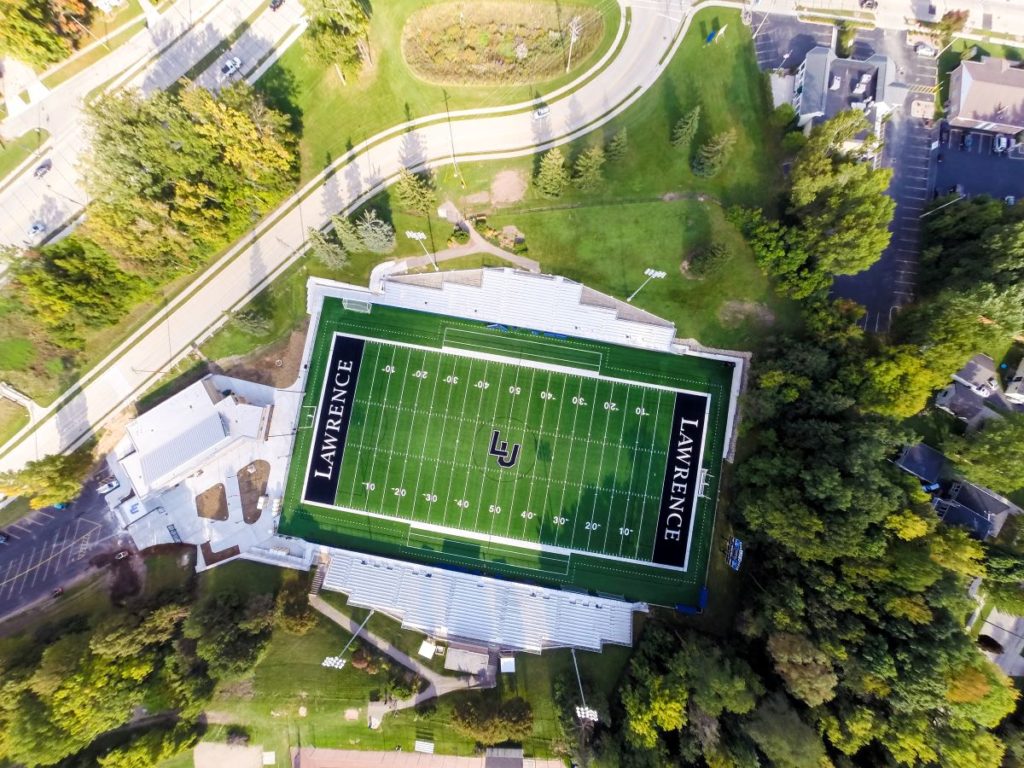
pixel 12 418
pixel 14 511
pixel 387 93
pixel 17 150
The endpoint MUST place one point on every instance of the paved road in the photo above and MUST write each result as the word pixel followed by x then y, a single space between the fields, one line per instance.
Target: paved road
pixel 353 178
pixel 59 196
pixel 889 283
pixel 50 548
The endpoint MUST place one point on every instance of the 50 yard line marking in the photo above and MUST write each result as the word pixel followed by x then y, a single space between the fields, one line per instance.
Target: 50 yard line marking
pixel 483 472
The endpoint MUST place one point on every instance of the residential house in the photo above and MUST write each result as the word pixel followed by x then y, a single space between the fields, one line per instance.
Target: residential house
pixel 976 396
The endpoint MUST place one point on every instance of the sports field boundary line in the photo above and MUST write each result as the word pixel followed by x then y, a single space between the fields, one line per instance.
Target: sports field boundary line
pixel 520 544
pixel 430 538
pixel 525 342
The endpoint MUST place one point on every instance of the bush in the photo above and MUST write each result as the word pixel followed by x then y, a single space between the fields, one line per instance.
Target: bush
pixel 704 261
pixel 491 721
pixel 291 608
pixel 460 236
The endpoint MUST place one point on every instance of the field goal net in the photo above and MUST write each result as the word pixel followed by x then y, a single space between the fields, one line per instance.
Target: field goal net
pixel 355 305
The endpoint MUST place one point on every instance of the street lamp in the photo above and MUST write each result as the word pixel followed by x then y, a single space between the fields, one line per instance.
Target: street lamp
pixel 339 661
pixel 419 237
pixel 652 274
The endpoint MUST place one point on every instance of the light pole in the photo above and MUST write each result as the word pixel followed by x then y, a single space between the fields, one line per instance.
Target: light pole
pixel 652 274
pixel 419 237
pixel 339 662
pixel 575 29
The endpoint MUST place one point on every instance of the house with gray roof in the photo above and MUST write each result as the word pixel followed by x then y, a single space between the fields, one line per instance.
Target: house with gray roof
pixel 987 95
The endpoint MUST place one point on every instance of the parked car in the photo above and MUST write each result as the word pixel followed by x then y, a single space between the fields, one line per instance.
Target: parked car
pixel 541 112
pixel 1001 143
pixel 1010 200
pixel 122 554
pixel 108 485
pixel 925 51
pixel 36 229
pixel 967 141
pixel 836 82
pixel 3 538
pixel 275 4
pixel 869 5
pixel 231 66
pixel 943 132
pixel 43 168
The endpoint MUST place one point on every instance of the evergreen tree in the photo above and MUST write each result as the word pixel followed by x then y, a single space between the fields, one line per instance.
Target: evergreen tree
pixel 686 129
pixel 337 34
pixel 618 146
pixel 714 154
pixel 552 175
pixel 588 174
pixel 348 236
pixel 377 235
pixel 327 252
pixel 413 192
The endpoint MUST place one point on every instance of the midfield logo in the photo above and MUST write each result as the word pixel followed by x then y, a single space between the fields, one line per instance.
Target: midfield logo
pixel 506 458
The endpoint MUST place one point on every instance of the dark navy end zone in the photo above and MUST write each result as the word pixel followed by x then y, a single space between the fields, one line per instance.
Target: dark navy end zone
pixel 679 492
pixel 336 402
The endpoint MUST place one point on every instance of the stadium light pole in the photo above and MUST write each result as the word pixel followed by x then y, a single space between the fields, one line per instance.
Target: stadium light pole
pixel 419 237
pixel 338 662
pixel 652 274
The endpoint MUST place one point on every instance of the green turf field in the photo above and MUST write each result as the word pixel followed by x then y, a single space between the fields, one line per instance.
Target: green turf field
pixel 508 452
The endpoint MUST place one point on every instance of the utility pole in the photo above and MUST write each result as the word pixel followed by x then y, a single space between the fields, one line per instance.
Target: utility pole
pixel 575 30
pixel 652 274
pixel 451 139
pixel 419 237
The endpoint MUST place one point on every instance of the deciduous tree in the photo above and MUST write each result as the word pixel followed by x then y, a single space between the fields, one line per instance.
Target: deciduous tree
pixel 53 479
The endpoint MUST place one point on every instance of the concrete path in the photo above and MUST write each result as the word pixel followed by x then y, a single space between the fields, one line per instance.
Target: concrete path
pixel 437 684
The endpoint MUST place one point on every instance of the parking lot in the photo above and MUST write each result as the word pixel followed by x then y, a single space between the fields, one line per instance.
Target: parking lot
pixel 783 41
pixel 977 169
pixel 49 548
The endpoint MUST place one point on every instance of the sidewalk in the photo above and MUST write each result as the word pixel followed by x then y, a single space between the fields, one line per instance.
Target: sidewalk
pixel 438 685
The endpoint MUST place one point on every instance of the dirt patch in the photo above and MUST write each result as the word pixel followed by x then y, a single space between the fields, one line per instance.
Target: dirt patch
pixel 508 187
pixel 252 483
pixel 212 504
pixel 239 689
pixel 734 313
pixel 684 270
pixel 477 198
pixel 351 715
pixel 276 365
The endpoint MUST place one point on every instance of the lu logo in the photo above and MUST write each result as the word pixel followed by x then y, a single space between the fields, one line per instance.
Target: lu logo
pixel 506 458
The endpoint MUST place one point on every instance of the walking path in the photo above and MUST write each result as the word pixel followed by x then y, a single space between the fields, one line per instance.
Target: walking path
pixel 437 684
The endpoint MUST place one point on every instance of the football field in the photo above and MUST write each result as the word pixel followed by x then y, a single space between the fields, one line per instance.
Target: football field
pixel 499 446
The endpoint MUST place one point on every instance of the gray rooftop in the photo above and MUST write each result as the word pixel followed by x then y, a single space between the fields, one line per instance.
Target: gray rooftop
pixel 923 462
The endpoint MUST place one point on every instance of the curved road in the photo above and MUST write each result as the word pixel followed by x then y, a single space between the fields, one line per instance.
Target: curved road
pixel 653 34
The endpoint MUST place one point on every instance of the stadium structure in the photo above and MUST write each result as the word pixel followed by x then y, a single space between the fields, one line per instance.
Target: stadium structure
pixel 492 456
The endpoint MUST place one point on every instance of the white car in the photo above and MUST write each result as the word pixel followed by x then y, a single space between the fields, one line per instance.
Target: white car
pixel 231 66
pixel 1002 143
pixel 541 112
pixel 1010 200
pixel 108 485
pixel 926 51
pixel 35 230
pixel 836 82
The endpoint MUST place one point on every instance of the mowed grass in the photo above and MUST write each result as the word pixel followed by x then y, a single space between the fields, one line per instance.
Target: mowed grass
pixel 16 151
pixel 334 116
pixel 12 418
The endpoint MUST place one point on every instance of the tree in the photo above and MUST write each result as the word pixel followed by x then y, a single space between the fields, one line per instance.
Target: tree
pixel 618 146
pixel 588 175
pixel 230 630
pixel 177 175
pixel 785 739
pixel 489 720
pixel 897 382
pixel 804 668
pixel 713 154
pixel 291 606
pixel 337 34
pixel 376 235
pixel 413 192
pixel 347 235
pixel 326 251
pixel 708 259
pixel 685 130
pixel 552 176
pixel 29 33
pixel 54 479
pixel 993 457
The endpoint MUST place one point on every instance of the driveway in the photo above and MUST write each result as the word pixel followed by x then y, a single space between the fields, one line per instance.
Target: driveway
pixel 53 547
pixel 890 282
